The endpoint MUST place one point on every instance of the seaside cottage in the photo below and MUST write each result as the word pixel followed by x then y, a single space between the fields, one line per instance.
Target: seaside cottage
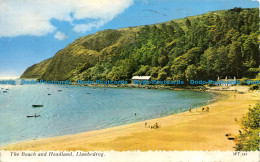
pixel 140 79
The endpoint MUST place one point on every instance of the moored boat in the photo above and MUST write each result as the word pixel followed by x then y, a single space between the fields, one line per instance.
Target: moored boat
pixel 37 105
pixel 30 116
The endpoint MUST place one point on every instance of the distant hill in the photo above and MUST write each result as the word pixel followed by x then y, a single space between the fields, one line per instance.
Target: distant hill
pixel 220 43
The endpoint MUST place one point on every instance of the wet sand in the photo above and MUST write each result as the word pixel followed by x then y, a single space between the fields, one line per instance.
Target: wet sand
pixel 194 131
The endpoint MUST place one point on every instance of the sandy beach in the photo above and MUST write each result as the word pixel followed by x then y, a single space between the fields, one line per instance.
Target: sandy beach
pixel 193 131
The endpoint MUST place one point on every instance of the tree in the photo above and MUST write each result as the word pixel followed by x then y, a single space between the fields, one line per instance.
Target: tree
pixel 163 59
pixel 153 72
pixel 191 72
pixel 187 23
pixel 163 73
pixel 235 57
pixel 251 51
pixel 222 62
pixel 208 60
pixel 143 70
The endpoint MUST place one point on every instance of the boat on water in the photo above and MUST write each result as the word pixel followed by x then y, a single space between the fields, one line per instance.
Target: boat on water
pixel 37 105
pixel 31 116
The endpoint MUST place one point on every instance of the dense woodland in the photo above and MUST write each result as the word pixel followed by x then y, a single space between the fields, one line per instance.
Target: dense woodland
pixel 215 44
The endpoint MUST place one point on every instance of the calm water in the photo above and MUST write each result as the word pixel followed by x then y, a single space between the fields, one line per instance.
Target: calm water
pixel 73 110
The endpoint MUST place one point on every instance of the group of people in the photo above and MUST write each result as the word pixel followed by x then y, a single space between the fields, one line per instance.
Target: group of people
pixel 152 126
pixel 206 108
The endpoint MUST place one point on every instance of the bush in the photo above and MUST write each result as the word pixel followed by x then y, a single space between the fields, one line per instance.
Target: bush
pixel 249 138
pixel 254 87
pixel 252 72
pixel 211 84
pixel 243 81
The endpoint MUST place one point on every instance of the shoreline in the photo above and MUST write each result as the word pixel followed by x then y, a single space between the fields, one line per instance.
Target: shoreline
pixel 121 138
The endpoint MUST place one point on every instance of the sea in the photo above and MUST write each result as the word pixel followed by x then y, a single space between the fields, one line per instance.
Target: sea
pixel 71 109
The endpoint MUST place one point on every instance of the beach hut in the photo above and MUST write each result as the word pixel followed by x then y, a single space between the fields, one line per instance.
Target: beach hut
pixel 141 78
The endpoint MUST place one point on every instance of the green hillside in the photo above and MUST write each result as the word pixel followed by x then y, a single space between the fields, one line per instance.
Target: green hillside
pixel 219 43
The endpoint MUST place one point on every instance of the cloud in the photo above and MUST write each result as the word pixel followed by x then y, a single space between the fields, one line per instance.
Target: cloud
pixel 60 36
pixel 81 28
pixel 33 17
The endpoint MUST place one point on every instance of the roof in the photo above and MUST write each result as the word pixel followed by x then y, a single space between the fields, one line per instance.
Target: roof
pixel 141 77
pixel 227 78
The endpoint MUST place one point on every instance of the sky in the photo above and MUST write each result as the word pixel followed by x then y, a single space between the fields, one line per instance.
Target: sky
pixel 34 30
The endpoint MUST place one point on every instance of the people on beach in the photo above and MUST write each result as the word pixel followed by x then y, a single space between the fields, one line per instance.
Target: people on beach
pixel 189 109
pixel 207 109
pixel 202 108
pixel 156 125
pixel 145 124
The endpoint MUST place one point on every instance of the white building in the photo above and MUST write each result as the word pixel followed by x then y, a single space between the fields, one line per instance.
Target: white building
pixel 141 78
pixel 226 81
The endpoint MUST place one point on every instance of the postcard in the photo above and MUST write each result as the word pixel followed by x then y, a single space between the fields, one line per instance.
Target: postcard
pixel 129 80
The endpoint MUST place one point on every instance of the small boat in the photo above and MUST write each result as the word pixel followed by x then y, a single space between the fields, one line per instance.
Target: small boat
pixel 31 116
pixel 88 93
pixel 231 138
pixel 37 105
pixel 59 90
pixel 49 94
pixel 4 91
